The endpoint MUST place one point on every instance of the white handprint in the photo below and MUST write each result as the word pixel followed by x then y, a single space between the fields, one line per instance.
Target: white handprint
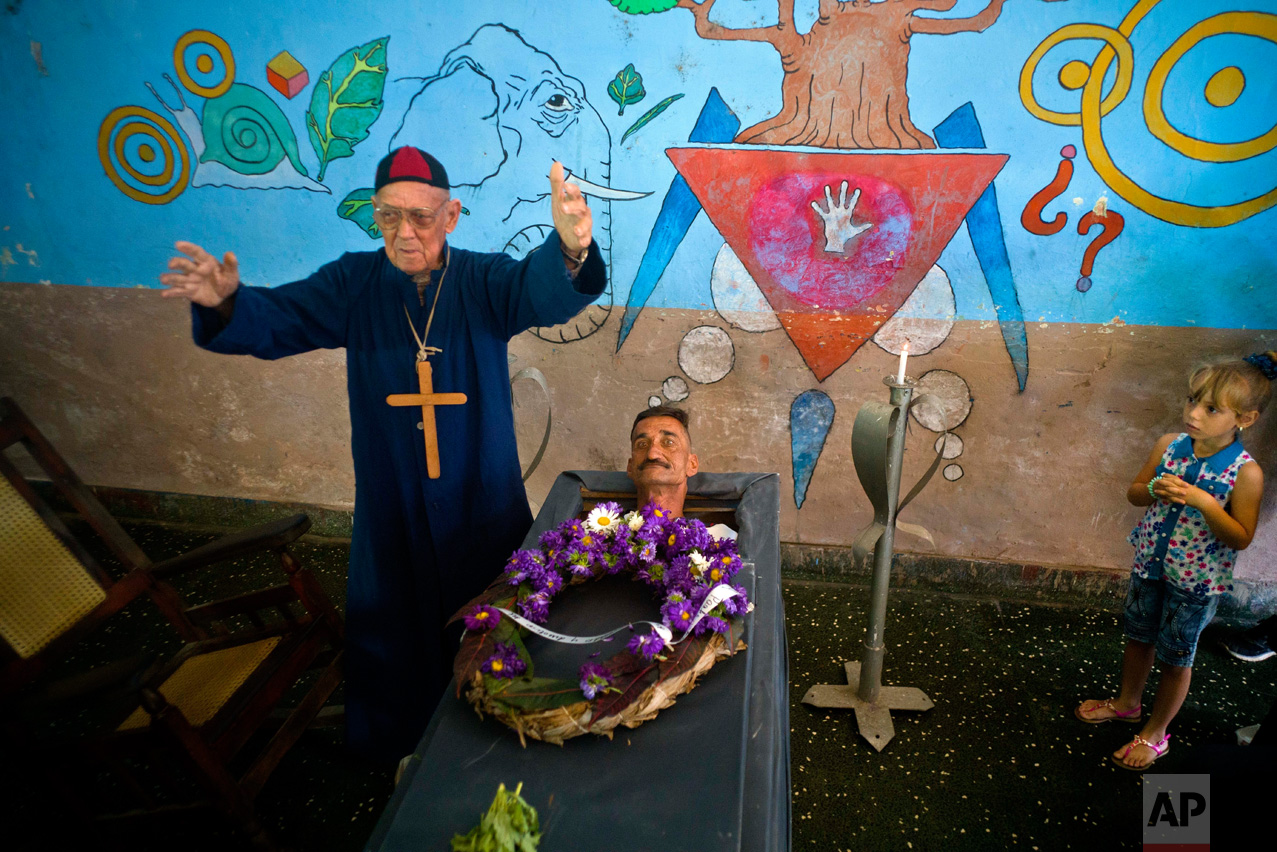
pixel 837 219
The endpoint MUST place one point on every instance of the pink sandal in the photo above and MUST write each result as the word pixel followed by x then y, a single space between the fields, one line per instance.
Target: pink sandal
pixel 1132 716
pixel 1158 748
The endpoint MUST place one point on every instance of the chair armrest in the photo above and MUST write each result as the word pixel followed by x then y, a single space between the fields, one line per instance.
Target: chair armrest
pixel 244 543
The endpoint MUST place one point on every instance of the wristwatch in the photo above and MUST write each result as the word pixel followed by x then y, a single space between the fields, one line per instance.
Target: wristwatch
pixel 579 260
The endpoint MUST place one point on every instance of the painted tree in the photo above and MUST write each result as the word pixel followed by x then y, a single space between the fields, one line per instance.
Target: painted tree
pixel 844 84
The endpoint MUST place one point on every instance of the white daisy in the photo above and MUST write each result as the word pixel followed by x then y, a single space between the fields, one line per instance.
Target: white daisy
pixel 603 519
pixel 699 563
pixel 635 521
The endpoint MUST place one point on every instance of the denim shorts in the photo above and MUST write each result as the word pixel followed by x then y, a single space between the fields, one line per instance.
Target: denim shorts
pixel 1163 614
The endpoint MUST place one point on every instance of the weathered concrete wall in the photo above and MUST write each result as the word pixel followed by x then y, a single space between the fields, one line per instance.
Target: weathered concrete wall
pixel 112 377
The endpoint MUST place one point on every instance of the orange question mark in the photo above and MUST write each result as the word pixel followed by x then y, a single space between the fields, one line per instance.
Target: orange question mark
pixel 1111 224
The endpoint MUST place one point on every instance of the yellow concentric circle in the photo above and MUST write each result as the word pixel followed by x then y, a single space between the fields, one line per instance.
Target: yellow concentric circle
pixel 125 122
pixel 1258 24
pixel 223 50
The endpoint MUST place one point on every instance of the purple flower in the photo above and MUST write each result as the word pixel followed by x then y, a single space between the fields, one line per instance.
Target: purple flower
pixel 646 645
pixel 722 567
pixel 711 623
pixel 549 582
pixel 505 663
pixel 647 552
pixel 738 605
pixel 652 574
pixel 678 613
pixel 595 678
pixel 535 607
pixel 690 535
pixel 551 540
pixel 521 565
pixel 581 565
pixel 482 618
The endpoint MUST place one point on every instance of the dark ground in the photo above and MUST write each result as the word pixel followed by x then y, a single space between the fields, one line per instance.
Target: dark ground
pixel 999 762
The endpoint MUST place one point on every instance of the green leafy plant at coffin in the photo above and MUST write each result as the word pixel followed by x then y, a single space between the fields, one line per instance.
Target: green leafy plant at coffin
pixel 346 101
pixel 510 825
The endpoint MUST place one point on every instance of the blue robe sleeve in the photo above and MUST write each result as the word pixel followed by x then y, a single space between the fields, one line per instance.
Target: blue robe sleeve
pixel 274 322
pixel 537 290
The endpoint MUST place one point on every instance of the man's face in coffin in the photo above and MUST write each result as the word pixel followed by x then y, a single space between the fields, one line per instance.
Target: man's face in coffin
pixel 660 453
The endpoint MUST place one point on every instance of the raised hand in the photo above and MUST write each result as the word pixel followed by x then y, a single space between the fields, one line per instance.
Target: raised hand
pixel 572 218
pixel 199 276
pixel 837 219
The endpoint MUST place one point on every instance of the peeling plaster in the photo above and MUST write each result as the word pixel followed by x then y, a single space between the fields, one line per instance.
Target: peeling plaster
pixel 37 54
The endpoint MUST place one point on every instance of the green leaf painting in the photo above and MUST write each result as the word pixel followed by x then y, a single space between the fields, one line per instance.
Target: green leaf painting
pixel 357 207
pixel 649 115
pixel 644 7
pixel 627 87
pixel 346 101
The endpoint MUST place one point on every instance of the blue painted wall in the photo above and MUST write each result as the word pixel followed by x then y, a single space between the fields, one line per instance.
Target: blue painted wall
pixel 65 66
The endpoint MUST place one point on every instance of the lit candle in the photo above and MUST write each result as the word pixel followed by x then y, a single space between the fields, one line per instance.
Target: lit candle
pixel 904 357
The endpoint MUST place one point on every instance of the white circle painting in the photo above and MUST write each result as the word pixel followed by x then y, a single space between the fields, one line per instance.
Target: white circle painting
pixel 736 297
pixel 943 401
pixel 925 319
pixel 675 389
pixel 706 354
pixel 949 445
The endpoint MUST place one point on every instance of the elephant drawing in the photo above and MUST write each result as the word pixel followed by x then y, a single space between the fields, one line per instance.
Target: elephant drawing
pixel 497 113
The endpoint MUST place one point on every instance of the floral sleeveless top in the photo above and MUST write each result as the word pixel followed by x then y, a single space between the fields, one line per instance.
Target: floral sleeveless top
pixel 1175 541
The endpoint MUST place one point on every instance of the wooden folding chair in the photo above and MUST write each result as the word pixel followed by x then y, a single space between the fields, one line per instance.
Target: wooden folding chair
pixel 191 729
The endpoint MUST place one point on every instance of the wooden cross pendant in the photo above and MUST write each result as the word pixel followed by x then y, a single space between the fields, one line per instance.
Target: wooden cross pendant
pixel 427 399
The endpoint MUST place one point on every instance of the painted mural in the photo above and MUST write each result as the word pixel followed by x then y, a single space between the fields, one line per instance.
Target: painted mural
pixel 869 171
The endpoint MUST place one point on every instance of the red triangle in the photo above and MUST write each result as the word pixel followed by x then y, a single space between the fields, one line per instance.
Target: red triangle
pixel 831 301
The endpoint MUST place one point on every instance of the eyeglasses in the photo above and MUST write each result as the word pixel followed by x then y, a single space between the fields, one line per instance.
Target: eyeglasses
pixel 388 218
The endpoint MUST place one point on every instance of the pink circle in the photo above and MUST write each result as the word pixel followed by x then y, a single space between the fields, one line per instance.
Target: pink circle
pixel 1068 152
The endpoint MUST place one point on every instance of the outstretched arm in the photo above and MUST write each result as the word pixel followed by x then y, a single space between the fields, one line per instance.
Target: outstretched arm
pixel 948 26
pixel 705 28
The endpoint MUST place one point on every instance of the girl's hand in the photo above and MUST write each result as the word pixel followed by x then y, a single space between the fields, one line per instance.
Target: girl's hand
pixel 1172 489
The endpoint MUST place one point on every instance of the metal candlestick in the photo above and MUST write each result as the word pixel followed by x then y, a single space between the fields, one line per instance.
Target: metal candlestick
pixel 877 449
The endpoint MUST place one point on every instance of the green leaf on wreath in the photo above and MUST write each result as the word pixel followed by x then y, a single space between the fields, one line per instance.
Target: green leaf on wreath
pixel 631 685
pixel 541 693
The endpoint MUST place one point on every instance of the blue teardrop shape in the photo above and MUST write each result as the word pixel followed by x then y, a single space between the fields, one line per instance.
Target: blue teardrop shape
pixel 810 417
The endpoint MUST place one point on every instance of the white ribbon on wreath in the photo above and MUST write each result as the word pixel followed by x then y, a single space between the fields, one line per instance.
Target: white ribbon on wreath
pixel 716 596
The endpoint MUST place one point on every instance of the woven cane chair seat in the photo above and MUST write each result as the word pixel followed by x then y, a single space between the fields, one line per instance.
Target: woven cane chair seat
pixel 44 589
pixel 202 685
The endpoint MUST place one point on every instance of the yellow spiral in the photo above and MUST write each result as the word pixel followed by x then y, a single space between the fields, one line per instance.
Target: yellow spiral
pixel 1222 90
pixel 121 125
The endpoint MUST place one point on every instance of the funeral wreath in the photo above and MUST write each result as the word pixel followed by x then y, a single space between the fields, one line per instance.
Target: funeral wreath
pixel 700 609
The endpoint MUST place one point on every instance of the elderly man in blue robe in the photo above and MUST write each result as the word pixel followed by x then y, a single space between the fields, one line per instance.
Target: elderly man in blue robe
pixel 435 517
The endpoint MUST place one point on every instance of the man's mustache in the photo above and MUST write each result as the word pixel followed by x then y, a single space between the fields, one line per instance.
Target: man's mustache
pixel 651 462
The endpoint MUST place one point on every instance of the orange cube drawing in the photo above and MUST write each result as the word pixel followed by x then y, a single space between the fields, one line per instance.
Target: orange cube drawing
pixel 286 74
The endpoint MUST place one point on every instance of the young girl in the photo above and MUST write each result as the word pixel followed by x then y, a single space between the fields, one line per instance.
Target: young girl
pixel 1202 491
